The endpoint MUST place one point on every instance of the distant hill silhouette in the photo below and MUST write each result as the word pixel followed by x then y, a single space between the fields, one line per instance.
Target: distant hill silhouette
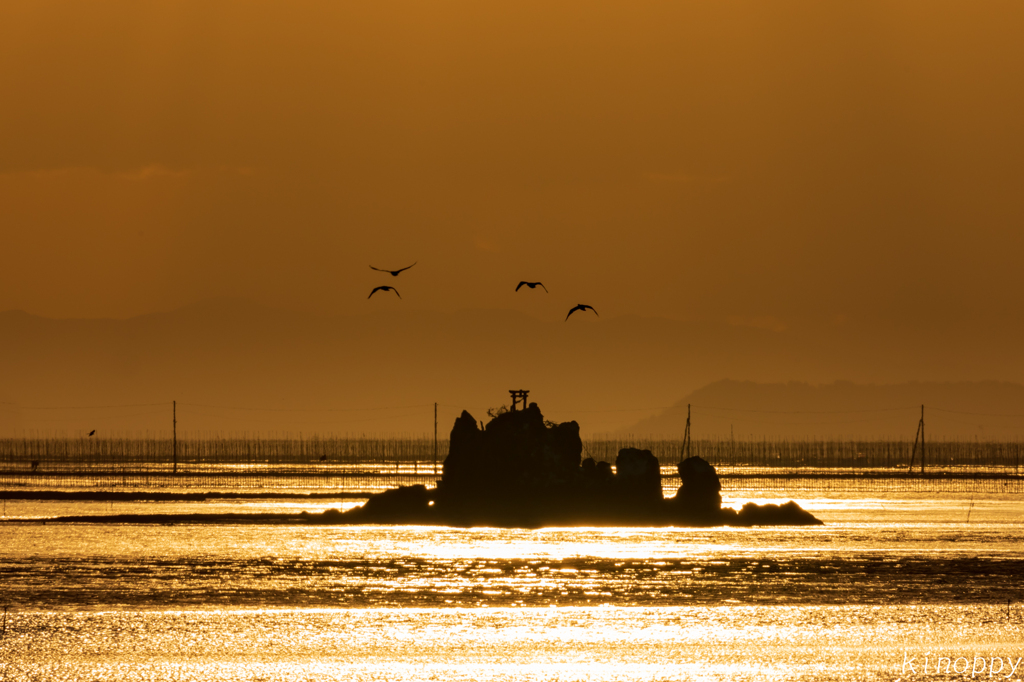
pixel 380 373
pixel 987 410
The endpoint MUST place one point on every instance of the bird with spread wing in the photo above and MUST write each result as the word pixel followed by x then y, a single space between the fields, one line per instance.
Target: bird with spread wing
pixel 393 273
pixel 582 307
pixel 532 285
pixel 376 289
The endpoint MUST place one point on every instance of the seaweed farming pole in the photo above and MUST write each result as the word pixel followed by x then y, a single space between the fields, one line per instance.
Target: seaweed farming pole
pixel 174 432
pixel 686 436
pixel 918 436
pixel 435 439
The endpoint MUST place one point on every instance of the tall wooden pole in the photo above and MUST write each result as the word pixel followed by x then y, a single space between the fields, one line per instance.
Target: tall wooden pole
pixel 919 436
pixel 922 439
pixel 174 425
pixel 435 439
pixel 686 435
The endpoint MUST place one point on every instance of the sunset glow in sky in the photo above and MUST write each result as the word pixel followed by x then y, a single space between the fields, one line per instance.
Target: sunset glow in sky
pixel 747 161
pixel 849 169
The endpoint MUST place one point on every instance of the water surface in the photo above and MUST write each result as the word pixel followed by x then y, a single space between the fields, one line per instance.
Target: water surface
pixel 885 581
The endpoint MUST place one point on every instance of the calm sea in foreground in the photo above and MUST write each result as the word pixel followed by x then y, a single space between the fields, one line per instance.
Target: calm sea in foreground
pixel 885 584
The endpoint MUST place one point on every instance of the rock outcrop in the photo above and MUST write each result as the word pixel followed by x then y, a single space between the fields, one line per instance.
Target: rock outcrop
pixel 638 475
pixel 788 514
pixel 519 470
pixel 404 504
pixel 699 497
pixel 515 453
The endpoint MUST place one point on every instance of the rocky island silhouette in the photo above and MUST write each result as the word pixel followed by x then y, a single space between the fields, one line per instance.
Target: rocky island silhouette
pixel 519 471
pixel 523 471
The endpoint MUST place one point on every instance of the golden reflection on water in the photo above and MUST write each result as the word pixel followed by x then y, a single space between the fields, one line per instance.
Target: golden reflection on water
pixel 837 507
pixel 572 643
pixel 885 579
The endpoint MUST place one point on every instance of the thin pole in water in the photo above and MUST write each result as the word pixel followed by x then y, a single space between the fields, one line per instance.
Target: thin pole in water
pixel 919 436
pixel 922 439
pixel 686 434
pixel 435 439
pixel 174 430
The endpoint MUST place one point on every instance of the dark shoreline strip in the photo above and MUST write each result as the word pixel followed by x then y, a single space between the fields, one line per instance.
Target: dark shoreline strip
pixel 115 496
pixel 175 519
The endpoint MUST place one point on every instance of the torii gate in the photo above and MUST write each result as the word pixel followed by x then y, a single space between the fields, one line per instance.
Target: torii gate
pixel 519 397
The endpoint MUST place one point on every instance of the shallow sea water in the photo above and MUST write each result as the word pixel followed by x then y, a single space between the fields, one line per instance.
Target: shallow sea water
pixel 884 584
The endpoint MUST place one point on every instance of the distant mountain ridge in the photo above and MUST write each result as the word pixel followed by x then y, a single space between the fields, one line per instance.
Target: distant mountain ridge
pixel 987 410
pixel 239 367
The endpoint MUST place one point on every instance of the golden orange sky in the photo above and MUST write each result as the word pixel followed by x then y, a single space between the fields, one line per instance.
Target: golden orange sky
pixel 758 163
pixel 842 180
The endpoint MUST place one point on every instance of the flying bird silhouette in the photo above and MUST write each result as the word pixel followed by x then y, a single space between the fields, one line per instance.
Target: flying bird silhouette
pixel 93 432
pixel 581 307
pixel 394 273
pixel 532 285
pixel 376 289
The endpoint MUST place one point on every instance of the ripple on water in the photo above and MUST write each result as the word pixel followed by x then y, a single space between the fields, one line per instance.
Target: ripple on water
pixel 844 601
pixel 594 643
